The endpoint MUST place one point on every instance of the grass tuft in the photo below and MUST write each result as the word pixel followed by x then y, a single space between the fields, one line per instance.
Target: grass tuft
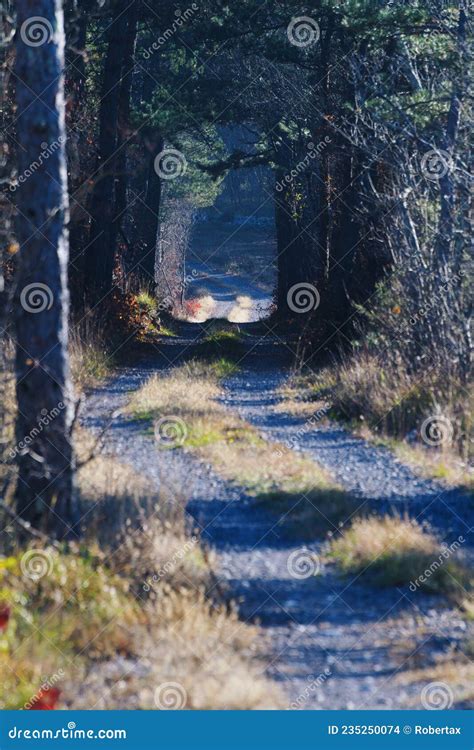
pixel 393 551
pixel 91 360
pixel 222 341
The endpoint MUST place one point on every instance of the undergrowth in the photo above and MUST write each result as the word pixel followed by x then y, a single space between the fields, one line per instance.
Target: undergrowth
pixel 394 551
pixel 427 417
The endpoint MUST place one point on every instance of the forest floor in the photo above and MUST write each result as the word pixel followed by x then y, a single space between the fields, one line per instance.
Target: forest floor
pixel 329 640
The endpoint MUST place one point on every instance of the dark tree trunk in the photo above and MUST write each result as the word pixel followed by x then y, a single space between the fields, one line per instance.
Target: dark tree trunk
pixel 100 253
pixel 344 236
pixel 45 456
pixel 286 233
pixel 123 128
pixel 290 250
pixel 298 250
pixel 77 134
pixel 150 213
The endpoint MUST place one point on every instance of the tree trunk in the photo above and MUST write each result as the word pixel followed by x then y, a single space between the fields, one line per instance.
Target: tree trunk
pixel 123 127
pixel 100 253
pixel 150 213
pixel 76 146
pixel 447 216
pixel 44 452
pixel 286 233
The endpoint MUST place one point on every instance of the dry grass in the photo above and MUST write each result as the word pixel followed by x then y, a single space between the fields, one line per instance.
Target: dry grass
pixel 394 551
pixel 298 399
pixel 360 388
pixel 444 465
pixel 304 496
pixel 189 391
pixel 242 456
pixel 114 649
pixel 90 357
pixel 126 610
pixel 112 493
pixel 206 654
pixel 300 491
pixel 381 398
pixel 456 674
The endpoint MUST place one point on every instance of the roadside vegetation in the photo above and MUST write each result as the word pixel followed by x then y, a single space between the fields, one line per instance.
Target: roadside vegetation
pixel 426 421
pixel 366 202
pixel 128 600
pixel 394 551
pixel 112 620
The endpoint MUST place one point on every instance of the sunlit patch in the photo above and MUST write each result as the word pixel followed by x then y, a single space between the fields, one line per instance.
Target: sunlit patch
pixel 242 309
pixel 249 310
pixel 197 310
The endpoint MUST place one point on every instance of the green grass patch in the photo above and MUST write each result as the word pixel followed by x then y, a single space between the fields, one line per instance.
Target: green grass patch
pixel 222 342
pixel 58 605
pixel 147 303
pixel 393 551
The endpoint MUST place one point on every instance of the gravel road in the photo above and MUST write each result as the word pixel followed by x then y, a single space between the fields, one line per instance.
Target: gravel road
pixel 331 642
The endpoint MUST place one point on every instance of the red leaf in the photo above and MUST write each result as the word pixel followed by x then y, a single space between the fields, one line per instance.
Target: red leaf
pixel 5 612
pixel 46 700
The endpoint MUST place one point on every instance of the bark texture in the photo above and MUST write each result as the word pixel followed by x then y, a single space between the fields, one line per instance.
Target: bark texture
pixel 44 452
